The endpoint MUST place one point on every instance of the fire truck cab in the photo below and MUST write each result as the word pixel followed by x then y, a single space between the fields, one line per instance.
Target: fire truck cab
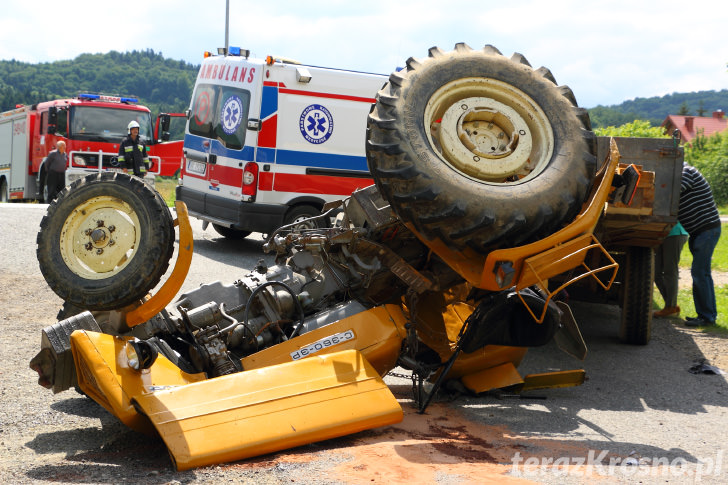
pixel 269 141
pixel 92 126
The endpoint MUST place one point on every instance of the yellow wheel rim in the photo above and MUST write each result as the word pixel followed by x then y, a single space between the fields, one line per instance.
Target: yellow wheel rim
pixel 489 130
pixel 100 237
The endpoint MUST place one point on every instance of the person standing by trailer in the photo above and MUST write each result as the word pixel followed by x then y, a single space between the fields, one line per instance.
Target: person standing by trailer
pixel 56 162
pixel 699 216
pixel 133 152
pixel 667 257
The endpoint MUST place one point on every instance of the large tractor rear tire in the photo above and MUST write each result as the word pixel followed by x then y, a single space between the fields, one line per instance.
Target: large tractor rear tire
pixel 479 150
pixel 636 296
pixel 105 241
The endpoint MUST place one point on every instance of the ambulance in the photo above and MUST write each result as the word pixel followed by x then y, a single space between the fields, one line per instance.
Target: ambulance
pixel 269 141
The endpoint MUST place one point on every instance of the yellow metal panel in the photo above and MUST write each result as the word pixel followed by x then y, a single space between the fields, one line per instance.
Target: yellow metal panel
pixel 550 380
pixel 265 410
pixel 105 376
pixel 497 377
pixel 486 358
pixel 377 334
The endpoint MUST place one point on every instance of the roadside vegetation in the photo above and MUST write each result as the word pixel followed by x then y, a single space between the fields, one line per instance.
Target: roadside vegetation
pixel 166 187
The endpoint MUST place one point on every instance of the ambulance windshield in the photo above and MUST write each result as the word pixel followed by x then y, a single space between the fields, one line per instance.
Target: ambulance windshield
pixel 221 113
pixel 107 124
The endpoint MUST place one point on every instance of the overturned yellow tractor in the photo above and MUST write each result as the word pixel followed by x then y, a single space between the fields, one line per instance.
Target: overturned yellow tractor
pixel 486 188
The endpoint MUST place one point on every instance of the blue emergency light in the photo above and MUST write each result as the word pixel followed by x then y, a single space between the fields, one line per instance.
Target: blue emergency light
pixel 237 51
pixel 111 99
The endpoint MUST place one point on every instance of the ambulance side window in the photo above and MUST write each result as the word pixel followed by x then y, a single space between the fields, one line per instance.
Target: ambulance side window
pixel 233 117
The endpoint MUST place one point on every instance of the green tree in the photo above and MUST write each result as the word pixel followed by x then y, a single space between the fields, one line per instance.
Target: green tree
pixel 710 156
pixel 156 81
pixel 701 108
pixel 637 128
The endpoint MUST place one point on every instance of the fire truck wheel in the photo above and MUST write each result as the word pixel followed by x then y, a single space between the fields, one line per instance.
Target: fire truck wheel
pixel 4 195
pixel 43 188
pixel 299 214
pixel 230 233
pixel 479 150
pixel 105 241
pixel 636 296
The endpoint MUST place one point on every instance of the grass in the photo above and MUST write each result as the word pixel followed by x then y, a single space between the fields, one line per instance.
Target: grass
pixel 166 186
pixel 685 296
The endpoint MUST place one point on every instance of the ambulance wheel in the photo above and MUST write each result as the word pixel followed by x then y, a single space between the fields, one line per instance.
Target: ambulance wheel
pixel 230 233
pixel 105 241
pixel 479 150
pixel 300 215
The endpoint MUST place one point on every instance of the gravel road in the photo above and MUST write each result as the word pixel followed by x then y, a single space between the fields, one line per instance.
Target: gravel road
pixel 641 416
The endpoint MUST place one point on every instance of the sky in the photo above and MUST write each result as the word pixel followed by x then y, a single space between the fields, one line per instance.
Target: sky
pixel 607 52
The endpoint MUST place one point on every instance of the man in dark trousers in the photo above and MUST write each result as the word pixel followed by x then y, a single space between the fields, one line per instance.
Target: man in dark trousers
pixel 56 164
pixel 699 216
pixel 132 152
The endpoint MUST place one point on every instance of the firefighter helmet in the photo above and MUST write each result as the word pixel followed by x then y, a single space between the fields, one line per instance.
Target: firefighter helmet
pixel 132 124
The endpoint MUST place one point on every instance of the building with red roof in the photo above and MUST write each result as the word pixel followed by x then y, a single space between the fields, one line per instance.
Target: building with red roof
pixel 691 126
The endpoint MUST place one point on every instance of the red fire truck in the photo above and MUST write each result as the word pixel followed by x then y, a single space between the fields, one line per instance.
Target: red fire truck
pixel 92 125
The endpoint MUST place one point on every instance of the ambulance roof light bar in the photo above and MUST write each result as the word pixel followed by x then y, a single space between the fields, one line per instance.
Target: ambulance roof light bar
pixel 231 51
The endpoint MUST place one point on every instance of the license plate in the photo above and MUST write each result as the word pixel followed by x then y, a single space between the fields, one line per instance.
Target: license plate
pixel 196 167
pixel 322 344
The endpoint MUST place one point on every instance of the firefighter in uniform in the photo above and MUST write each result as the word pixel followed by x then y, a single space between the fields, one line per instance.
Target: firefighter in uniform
pixel 132 152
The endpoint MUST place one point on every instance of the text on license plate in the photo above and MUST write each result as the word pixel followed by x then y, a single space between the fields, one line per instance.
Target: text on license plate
pixel 195 167
pixel 322 344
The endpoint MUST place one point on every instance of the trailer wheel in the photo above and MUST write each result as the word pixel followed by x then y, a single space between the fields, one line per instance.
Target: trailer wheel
pixel 230 233
pixel 479 150
pixel 105 241
pixel 636 297
pixel 299 216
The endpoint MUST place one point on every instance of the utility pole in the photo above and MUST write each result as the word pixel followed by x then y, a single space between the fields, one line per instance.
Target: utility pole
pixel 227 24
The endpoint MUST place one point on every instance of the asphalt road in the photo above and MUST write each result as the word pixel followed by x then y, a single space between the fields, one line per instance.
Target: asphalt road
pixel 640 416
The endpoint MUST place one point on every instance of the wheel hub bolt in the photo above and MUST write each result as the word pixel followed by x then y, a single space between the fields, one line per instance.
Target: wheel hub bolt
pixel 100 223
pixel 99 251
pixel 98 235
pixel 112 228
pixel 89 246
